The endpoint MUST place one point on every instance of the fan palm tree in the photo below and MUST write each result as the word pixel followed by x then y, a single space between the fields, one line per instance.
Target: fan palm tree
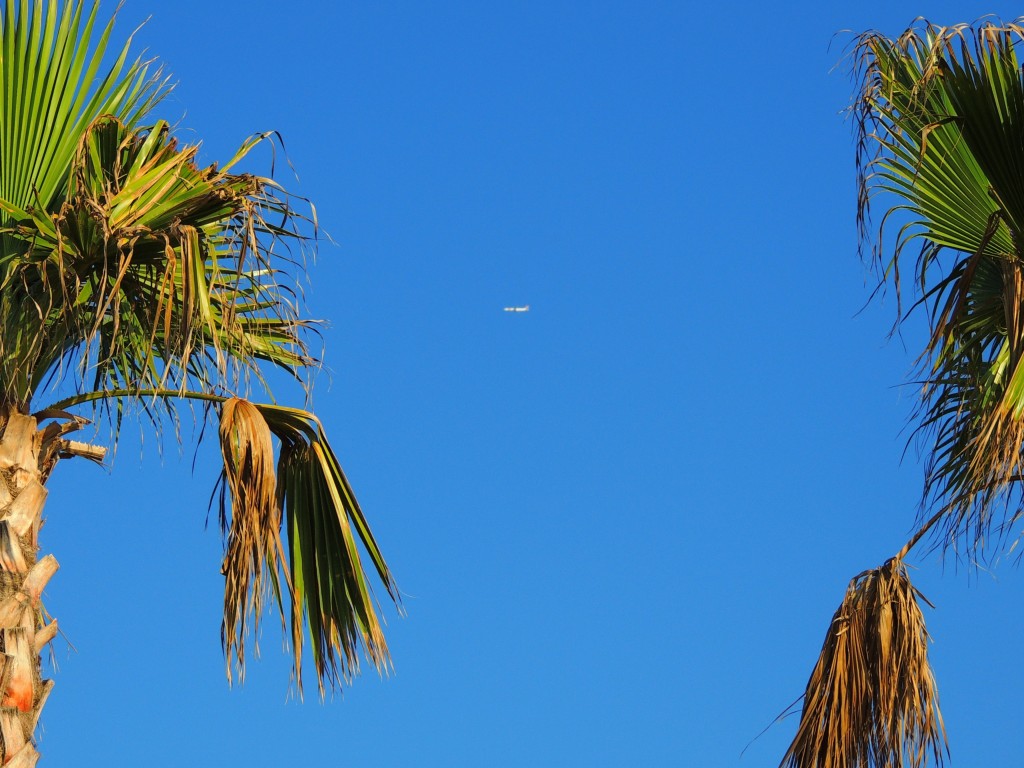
pixel 940 127
pixel 132 280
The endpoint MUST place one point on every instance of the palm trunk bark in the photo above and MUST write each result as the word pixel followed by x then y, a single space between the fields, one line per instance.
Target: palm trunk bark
pixel 23 576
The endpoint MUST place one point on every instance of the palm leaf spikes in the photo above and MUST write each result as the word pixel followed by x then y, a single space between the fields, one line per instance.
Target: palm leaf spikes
pixel 57 79
pixel 330 601
pixel 940 126
pixel 871 701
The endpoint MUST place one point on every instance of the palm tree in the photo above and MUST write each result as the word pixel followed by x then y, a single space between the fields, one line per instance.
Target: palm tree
pixel 940 127
pixel 133 281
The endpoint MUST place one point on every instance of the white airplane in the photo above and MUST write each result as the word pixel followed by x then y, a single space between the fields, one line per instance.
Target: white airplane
pixel 524 308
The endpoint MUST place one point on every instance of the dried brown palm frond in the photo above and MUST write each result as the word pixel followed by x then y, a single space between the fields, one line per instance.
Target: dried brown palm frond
pixel 254 553
pixel 871 701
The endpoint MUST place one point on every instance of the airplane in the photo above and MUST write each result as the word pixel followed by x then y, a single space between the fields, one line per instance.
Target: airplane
pixel 524 308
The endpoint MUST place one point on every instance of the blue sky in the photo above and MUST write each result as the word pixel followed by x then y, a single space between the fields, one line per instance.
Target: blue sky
pixel 621 521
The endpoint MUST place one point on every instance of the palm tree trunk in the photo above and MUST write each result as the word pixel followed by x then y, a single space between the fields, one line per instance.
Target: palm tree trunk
pixel 23 576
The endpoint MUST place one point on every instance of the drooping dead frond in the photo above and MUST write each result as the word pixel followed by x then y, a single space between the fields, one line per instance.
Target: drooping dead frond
pixel 871 701
pixel 330 602
pixel 254 553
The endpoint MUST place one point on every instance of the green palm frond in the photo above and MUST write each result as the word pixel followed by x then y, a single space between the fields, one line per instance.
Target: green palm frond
pixel 941 133
pixel 154 273
pixel 53 88
pixel 121 261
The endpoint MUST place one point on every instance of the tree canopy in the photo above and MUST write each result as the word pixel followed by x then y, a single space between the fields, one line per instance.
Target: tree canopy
pixel 939 117
pixel 137 280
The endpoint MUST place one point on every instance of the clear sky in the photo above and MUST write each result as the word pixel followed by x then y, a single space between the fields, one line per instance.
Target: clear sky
pixel 622 521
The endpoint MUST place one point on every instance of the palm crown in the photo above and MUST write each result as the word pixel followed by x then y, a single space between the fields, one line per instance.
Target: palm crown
pixel 941 123
pixel 940 129
pixel 130 274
